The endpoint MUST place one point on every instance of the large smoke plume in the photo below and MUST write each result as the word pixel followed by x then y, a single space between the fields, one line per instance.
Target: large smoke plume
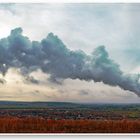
pixel 53 57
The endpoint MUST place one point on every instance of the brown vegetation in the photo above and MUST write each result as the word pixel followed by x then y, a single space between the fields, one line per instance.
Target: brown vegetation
pixel 41 125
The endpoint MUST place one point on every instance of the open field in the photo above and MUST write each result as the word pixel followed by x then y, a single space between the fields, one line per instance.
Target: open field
pixel 41 125
pixel 24 117
pixel 72 114
pixel 70 111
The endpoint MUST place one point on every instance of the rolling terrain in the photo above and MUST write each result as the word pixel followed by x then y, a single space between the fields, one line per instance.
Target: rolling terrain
pixel 64 117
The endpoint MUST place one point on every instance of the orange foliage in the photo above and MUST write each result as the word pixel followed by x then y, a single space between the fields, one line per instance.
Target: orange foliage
pixel 41 125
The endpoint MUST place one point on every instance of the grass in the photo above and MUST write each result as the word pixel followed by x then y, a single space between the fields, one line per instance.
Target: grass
pixel 41 125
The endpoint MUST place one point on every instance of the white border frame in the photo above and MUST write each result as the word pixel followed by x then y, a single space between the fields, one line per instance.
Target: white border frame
pixel 71 1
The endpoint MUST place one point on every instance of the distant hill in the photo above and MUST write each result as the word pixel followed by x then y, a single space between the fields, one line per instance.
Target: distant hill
pixel 18 104
pixel 61 105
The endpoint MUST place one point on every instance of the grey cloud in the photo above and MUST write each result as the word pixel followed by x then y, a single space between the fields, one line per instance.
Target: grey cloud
pixel 31 79
pixel 53 57
pixel 84 92
pixel 2 81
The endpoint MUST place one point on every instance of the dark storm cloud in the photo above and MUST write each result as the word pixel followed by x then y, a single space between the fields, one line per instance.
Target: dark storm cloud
pixel 53 57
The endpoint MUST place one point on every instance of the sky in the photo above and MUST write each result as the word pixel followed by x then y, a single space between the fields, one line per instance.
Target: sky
pixel 70 52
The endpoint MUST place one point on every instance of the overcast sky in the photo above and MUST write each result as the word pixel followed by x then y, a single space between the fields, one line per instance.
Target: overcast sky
pixel 80 27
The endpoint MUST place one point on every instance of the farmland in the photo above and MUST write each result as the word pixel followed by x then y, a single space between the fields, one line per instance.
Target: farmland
pixel 53 117
pixel 41 125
